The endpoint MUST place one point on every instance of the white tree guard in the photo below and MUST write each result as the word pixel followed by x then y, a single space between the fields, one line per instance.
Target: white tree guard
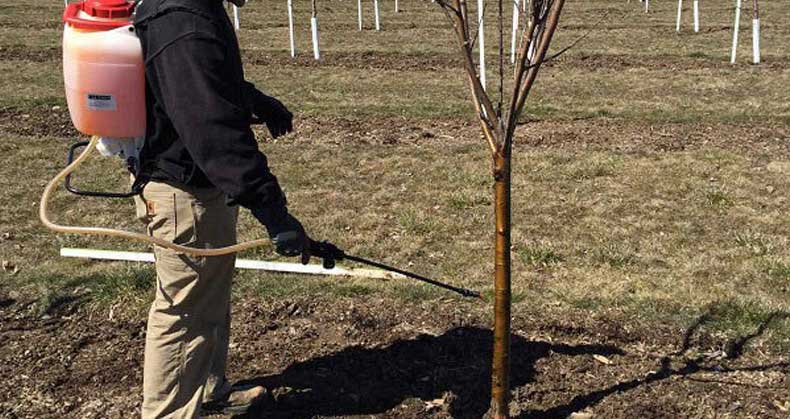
pixel 291 28
pixel 515 32
pixel 680 15
pixel 376 12
pixel 314 30
pixel 756 41
pixel 735 29
pixel 359 13
pixel 696 16
pixel 481 43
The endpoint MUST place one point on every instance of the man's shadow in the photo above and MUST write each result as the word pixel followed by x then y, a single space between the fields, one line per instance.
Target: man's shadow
pixel 359 380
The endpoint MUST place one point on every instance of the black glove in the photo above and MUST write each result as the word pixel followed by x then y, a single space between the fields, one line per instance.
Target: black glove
pixel 326 251
pixel 278 119
pixel 285 231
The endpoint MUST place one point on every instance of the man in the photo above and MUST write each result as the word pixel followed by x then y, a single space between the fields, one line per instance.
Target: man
pixel 200 160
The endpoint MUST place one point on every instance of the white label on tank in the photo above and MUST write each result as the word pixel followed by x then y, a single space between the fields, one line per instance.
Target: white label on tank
pixel 100 102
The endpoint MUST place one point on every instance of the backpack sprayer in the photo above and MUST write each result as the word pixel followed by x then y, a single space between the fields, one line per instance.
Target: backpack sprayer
pixel 104 78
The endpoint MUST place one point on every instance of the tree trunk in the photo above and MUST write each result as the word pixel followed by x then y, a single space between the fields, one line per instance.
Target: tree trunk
pixel 500 385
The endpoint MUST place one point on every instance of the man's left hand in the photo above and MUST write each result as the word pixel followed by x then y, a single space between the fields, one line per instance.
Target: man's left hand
pixel 278 119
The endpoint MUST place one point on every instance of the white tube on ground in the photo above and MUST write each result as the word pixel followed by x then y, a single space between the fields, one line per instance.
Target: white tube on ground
pixel 696 15
pixel 397 8
pixel 680 14
pixel 515 31
pixel 236 23
pixel 647 6
pixel 359 13
pixel 314 30
pixel 756 41
pixel 376 12
pixel 291 27
pixel 735 29
pixel 263 265
pixel 481 42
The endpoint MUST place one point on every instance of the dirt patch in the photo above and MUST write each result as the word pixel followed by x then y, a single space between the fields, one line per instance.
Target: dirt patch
pixel 371 60
pixel 573 135
pixel 600 134
pixel 386 358
pixel 28 53
pixel 446 61
pixel 357 60
pixel 39 121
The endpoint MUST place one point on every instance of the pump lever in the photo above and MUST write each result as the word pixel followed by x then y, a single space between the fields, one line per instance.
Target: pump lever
pixel 331 253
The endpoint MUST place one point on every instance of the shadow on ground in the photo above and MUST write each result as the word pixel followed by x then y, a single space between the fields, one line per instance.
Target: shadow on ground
pixel 360 380
pixel 678 364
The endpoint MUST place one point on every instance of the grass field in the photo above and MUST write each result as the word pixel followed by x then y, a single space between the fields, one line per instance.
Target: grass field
pixel 651 187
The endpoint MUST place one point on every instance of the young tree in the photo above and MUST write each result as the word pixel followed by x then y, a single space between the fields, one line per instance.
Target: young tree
pixel 498 121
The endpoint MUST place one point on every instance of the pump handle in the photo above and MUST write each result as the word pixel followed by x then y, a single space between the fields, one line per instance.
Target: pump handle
pixel 75 191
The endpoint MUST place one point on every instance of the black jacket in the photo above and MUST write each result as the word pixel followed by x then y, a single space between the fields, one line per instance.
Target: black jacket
pixel 199 105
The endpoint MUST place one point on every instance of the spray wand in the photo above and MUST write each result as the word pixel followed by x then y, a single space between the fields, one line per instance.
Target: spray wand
pixel 331 253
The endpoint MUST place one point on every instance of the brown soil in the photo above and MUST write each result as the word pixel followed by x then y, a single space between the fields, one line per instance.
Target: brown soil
pixel 581 135
pixel 40 121
pixel 433 62
pixel 374 356
pixel 29 53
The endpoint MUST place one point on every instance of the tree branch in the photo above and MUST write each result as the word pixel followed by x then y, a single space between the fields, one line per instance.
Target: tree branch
pixel 480 99
pixel 552 19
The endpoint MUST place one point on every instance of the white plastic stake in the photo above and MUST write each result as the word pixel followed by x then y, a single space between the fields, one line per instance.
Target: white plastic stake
pixel 481 42
pixel 359 13
pixel 515 31
pixel 291 27
pixel 680 13
pixel 236 23
pixel 756 41
pixel 756 32
pixel 376 12
pixel 99 254
pixel 735 29
pixel 397 9
pixel 314 28
pixel 696 15
pixel 647 6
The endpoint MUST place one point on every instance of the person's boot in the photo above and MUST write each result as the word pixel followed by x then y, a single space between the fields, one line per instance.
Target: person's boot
pixel 237 401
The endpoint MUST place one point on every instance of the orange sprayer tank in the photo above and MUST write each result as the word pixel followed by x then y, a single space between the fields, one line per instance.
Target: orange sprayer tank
pixel 103 69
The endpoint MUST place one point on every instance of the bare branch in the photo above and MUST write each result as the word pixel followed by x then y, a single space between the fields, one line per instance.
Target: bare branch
pixel 480 99
pixel 551 21
pixel 465 20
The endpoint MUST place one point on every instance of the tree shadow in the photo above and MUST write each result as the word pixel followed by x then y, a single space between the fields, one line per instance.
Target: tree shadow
pixel 359 380
pixel 707 363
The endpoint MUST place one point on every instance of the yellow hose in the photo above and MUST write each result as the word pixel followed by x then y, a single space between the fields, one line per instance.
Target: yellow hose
pixel 100 231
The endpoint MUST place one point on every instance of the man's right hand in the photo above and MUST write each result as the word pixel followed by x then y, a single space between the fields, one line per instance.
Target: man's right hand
pixel 285 231
pixel 288 236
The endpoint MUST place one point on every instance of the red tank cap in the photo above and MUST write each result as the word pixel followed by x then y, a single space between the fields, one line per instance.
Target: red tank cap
pixel 108 14
pixel 110 9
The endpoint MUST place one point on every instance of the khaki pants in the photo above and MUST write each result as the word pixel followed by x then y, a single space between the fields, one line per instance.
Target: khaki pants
pixel 186 343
